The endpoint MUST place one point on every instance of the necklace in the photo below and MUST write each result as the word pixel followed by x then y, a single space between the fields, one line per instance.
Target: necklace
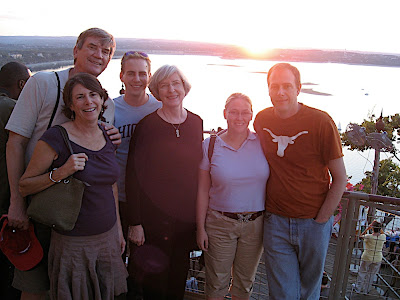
pixel 175 127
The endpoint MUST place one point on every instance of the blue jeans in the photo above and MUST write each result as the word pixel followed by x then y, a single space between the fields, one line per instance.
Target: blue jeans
pixel 295 252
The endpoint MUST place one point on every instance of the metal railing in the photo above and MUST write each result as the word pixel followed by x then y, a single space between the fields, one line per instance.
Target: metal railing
pixel 344 254
pixel 348 248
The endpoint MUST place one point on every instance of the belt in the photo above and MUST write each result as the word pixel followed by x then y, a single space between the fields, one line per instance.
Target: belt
pixel 242 217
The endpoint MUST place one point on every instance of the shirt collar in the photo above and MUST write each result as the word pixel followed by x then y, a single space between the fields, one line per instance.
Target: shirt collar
pixel 250 136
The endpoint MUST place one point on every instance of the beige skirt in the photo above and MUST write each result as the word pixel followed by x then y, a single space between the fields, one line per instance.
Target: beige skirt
pixel 86 267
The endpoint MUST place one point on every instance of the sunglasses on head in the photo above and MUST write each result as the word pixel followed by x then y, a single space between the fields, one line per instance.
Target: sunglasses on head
pixel 136 52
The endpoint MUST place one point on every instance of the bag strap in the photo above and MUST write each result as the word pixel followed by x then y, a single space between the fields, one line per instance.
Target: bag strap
pixel 211 146
pixel 58 100
pixel 2 220
pixel 64 134
pixel 65 137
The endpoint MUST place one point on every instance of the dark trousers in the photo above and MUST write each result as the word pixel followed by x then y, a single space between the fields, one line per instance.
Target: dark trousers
pixel 7 292
pixel 160 272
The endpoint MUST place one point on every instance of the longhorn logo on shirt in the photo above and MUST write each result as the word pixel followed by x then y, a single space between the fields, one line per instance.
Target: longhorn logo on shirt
pixel 283 141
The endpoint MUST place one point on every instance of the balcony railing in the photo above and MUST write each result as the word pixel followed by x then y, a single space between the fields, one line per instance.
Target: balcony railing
pixel 344 253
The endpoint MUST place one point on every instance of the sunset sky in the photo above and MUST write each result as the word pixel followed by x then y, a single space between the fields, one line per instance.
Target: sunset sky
pixel 255 24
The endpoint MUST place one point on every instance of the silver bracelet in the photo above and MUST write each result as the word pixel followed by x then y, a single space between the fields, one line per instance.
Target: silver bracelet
pixel 51 173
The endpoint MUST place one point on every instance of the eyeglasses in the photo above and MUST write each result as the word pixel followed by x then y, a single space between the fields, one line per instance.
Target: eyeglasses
pixel 174 84
pixel 136 52
pixel 244 114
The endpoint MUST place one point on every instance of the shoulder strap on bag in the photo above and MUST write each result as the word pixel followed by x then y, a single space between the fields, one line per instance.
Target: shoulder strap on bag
pixel 65 137
pixel 64 134
pixel 58 100
pixel 211 146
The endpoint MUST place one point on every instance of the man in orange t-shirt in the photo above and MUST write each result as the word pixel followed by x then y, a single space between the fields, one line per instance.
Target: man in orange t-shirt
pixel 303 148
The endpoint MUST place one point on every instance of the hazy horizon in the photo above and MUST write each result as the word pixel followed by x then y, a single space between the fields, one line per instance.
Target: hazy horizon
pixel 201 42
pixel 360 25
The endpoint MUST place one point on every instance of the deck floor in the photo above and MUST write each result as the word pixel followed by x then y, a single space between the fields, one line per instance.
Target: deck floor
pixel 260 291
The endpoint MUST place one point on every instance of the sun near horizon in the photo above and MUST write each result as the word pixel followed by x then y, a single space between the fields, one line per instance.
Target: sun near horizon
pixel 256 48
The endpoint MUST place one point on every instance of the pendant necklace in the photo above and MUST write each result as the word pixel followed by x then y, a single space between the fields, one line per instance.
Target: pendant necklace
pixel 175 127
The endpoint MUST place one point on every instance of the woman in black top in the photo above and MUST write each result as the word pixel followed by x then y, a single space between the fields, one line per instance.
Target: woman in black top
pixel 161 188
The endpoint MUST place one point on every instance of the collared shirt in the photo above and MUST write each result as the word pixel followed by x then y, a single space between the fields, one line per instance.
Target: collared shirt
pixel 238 177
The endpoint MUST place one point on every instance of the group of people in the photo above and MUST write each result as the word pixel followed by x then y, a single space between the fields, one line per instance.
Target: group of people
pixel 155 184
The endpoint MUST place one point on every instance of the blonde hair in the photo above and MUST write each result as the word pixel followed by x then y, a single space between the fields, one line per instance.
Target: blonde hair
pixel 238 96
pixel 134 55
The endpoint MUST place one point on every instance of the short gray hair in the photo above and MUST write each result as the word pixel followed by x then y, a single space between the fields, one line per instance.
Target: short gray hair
pixel 164 72
pixel 104 36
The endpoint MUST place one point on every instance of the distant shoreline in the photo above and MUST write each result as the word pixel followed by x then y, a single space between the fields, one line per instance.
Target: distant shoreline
pixel 54 65
pixel 41 52
pixel 36 67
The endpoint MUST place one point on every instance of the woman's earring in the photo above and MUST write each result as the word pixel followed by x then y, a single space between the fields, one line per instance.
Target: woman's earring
pixel 122 90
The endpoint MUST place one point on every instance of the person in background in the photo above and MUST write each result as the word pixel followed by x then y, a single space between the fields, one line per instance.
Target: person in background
pixel 392 238
pixel 13 76
pixel 371 259
pixel 29 120
pixel 161 187
pixel 304 152
pixel 86 262
pixel 231 202
pixel 132 106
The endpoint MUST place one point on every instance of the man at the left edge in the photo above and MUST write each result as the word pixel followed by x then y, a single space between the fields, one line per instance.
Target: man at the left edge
pixel 13 76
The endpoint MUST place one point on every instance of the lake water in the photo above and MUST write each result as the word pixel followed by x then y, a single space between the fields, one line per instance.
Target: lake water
pixel 349 93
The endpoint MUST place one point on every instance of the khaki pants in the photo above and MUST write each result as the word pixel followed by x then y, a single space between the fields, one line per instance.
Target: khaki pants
pixel 366 275
pixel 235 247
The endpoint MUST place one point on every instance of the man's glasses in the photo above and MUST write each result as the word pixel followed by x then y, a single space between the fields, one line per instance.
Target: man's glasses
pixel 144 55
